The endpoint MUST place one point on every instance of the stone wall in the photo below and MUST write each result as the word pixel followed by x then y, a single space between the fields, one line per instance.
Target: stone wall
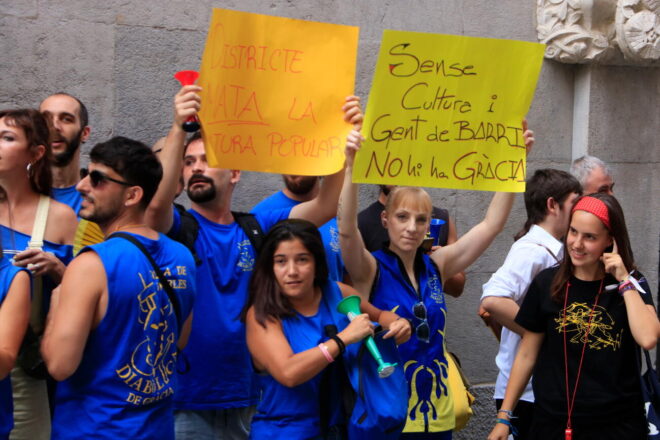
pixel 118 56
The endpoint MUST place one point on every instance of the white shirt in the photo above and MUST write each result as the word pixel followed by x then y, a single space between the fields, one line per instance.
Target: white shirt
pixel 527 257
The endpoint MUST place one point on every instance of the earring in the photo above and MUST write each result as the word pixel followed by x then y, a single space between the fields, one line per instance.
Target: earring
pixel 29 169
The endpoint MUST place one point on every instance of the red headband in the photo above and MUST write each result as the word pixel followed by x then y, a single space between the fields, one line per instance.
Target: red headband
pixel 594 206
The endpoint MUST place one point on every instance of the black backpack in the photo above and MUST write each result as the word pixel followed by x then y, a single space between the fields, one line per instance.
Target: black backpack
pixel 189 230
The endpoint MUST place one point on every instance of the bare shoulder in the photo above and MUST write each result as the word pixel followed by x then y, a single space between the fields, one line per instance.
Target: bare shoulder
pixel 62 223
pixel 21 281
pixel 86 261
pixel 253 326
pixel 85 270
pixel 268 325
pixel 61 212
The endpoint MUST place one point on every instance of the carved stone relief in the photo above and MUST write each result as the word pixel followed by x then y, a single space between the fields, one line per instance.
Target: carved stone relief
pixel 638 29
pixel 600 31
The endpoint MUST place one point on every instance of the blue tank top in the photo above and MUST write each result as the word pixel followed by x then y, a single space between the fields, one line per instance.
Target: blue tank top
pixel 329 233
pixel 69 196
pixel 430 407
pixel 294 413
pixel 124 384
pixel 14 242
pixel 7 274
pixel 220 373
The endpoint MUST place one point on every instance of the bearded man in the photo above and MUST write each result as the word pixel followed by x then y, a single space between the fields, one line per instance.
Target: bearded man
pixel 70 125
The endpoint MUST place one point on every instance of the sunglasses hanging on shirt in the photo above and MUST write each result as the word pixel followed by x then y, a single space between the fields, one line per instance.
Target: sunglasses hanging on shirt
pixel 422 330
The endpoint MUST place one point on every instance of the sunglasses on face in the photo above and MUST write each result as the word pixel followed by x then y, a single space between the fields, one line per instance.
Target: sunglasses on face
pixel 96 178
pixel 422 330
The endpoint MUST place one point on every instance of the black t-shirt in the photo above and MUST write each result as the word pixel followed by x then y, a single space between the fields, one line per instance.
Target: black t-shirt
pixel 375 235
pixel 609 381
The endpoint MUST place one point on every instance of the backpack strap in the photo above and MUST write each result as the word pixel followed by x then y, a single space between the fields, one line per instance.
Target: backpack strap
pixel 549 251
pixel 37 242
pixel 248 222
pixel 161 277
pixel 39 227
pixel 333 376
pixel 324 388
pixel 187 232
pixel 166 287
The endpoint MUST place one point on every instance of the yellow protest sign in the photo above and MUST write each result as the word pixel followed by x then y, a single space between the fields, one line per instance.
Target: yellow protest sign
pixel 445 111
pixel 272 92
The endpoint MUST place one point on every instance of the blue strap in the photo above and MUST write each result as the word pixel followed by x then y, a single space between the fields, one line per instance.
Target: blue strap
pixel 506 422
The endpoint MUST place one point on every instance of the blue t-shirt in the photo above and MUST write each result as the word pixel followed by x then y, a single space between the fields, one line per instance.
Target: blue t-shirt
pixel 124 384
pixel 69 196
pixel 220 373
pixel 294 413
pixel 329 233
pixel 14 242
pixel 430 406
pixel 7 274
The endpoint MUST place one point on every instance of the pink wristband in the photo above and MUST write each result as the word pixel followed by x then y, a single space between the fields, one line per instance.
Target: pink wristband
pixel 326 352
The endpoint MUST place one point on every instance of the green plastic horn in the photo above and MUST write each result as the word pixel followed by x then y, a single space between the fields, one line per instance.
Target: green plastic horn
pixel 350 306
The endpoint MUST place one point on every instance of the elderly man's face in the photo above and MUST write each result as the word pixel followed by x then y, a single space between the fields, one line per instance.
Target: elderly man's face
pixel 599 182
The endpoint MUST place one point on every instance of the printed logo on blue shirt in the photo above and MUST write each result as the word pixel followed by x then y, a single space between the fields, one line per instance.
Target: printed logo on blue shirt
pixel 334 240
pixel 436 289
pixel 151 364
pixel 245 258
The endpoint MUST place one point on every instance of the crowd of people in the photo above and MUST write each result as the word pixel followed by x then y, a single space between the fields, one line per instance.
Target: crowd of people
pixel 206 323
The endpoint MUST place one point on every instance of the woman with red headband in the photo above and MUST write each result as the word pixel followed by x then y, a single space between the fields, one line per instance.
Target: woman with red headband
pixel 584 320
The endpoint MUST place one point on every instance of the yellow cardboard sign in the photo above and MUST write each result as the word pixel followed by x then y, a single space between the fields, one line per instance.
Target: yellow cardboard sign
pixel 272 92
pixel 445 111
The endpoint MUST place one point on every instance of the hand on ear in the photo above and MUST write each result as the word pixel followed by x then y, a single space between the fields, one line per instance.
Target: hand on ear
pixel 614 264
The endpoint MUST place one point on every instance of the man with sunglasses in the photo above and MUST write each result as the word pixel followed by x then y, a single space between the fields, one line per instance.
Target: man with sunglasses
pixel 97 177
pixel 113 331
pixel 216 398
pixel 549 197
pixel 70 123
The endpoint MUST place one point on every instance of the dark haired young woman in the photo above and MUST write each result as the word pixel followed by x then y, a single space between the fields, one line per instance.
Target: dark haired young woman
pixel 25 181
pixel 291 301
pixel 584 320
